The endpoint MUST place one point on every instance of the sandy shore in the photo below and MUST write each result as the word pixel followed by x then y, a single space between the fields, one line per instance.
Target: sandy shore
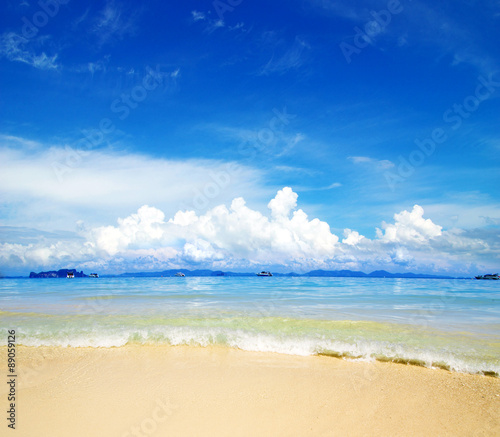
pixel 183 391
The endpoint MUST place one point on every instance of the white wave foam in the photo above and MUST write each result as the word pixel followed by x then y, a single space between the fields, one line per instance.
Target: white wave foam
pixel 365 350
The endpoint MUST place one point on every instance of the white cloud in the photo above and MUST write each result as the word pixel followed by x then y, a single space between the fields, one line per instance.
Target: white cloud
pixel 219 23
pixel 221 234
pixel 292 59
pixel 333 185
pixel 401 256
pixel 113 22
pixel 140 229
pixel 16 142
pixel 197 16
pixel 283 203
pixel 304 189
pixel 97 185
pixel 243 233
pixel 237 26
pixel 239 237
pixel 102 184
pixel 409 227
pixel 352 238
pixel 19 49
pixel 211 24
pixel 377 164
pixel 96 66
pixel 109 18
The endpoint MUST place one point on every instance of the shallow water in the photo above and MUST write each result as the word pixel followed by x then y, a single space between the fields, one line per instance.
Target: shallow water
pixel 450 324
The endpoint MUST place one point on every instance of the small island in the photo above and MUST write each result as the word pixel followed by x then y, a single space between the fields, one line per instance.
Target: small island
pixel 63 273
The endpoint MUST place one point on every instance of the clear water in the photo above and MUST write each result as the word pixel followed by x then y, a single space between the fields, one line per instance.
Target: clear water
pixel 437 323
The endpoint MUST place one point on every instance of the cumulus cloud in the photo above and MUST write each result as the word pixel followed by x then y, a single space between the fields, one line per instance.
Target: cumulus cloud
pixel 242 233
pixel 352 238
pixel 234 234
pixel 283 203
pixel 409 227
pixel 140 229
pixel 239 237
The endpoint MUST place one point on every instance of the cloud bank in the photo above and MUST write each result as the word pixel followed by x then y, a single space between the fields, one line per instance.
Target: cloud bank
pixel 60 185
pixel 238 237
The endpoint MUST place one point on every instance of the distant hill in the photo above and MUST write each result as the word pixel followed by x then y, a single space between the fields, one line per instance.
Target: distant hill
pixel 336 273
pixel 202 273
pixel 375 274
pixel 384 274
pixel 313 273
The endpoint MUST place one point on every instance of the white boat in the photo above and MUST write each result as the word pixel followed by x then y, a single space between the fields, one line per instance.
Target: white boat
pixel 93 275
pixel 179 274
pixel 263 273
pixel 70 275
pixel 493 276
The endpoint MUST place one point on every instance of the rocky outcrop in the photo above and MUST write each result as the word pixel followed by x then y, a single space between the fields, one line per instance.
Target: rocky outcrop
pixel 58 274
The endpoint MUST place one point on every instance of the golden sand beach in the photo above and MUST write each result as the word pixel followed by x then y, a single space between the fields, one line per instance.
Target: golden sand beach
pixel 194 391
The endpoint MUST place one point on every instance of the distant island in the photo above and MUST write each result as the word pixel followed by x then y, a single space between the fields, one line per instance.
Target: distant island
pixel 63 273
pixel 202 273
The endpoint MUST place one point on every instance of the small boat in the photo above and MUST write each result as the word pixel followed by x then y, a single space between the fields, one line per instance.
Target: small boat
pixel 179 274
pixel 93 275
pixel 70 275
pixel 493 276
pixel 263 273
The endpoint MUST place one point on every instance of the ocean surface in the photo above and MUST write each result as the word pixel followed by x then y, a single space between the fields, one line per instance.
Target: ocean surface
pixel 451 324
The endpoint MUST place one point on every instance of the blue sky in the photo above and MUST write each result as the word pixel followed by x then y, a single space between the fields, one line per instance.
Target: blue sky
pixel 117 118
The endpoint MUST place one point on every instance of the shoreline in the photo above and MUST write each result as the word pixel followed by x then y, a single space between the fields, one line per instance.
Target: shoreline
pixel 184 390
pixel 408 362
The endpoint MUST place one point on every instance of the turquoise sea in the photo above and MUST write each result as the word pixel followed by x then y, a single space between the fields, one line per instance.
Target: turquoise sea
pixel 451 324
